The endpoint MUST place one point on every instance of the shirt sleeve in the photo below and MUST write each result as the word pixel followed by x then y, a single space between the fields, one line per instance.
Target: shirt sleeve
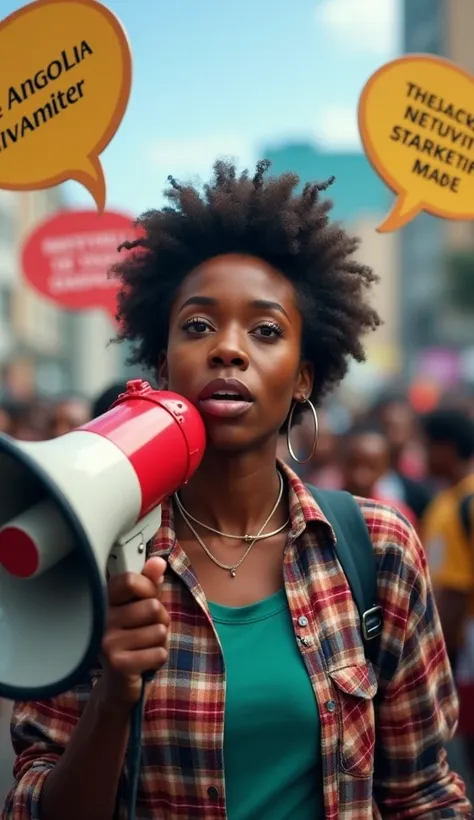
pixel 40 731
pixel 417 706
pixel 407 512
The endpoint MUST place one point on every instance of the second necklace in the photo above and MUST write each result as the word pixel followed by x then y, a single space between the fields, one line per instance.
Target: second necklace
pixel 251 540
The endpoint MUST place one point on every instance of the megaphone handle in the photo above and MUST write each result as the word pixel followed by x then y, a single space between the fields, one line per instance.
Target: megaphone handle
pixel 128 554
pixel 129 557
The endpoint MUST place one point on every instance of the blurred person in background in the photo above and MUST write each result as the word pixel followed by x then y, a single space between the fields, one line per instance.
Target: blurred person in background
pixel 30 419
pixel 448 536
pixel 68 414
pixel 364 454
pixel 460 399
pixel 397 419
pixel 105 400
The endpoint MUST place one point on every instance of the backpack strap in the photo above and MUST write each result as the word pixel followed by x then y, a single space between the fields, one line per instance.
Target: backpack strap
pixel 355 552
pixel 465 514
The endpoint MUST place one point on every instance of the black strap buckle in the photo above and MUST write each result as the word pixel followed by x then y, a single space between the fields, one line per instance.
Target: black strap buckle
pixel 372 622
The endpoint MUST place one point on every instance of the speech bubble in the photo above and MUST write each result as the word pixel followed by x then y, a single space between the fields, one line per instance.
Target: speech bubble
pixel 416 121
pixel 65 79
pixel 67 258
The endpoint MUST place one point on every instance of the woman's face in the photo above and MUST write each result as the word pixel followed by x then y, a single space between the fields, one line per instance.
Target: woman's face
pixel 236 318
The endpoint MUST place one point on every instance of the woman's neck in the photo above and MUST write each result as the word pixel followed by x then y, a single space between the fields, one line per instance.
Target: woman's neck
pixel 234 493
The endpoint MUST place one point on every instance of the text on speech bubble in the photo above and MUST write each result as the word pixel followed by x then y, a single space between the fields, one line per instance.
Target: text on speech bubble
pixel 65 77
pixel 416 120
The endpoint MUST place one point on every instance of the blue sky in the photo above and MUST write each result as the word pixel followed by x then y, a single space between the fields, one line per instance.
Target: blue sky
pixel 227 77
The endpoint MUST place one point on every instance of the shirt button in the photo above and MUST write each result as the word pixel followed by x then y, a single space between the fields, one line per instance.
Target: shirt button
pixel 302 620
pixel 331 705
pixel 213 793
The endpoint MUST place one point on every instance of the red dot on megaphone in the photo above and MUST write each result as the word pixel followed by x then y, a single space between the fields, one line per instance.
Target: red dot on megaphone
pixel 18 552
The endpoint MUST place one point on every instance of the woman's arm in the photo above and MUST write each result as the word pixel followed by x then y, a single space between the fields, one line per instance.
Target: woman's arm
pixel 418 709
pixel 84 783
pixel 69 759
pixel 68 765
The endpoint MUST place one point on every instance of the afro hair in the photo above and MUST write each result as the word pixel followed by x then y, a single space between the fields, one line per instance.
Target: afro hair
pixel 266 217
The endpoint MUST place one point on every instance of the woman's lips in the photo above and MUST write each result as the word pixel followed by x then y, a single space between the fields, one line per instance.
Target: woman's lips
pixel 224 408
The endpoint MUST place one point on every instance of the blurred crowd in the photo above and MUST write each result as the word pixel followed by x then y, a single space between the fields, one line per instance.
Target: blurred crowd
pixel 41 418
pixel 421 464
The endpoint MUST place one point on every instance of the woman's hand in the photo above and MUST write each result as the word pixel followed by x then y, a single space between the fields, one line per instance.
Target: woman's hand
pixel 136 639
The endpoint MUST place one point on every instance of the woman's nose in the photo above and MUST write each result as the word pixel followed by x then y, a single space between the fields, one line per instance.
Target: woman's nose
pixel 228 352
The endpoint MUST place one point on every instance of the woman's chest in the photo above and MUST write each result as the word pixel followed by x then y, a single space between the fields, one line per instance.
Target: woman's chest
pixel 219 674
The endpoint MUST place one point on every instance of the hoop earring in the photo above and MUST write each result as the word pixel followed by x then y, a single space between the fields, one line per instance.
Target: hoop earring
pixel 316 432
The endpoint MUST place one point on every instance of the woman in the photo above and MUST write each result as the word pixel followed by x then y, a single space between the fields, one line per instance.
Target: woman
pixel 246 300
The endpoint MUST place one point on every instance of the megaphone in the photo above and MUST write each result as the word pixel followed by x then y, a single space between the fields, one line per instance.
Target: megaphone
pixel 69 509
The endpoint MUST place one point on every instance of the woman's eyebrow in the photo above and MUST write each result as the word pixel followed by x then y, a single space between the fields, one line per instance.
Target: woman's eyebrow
pixel 263 304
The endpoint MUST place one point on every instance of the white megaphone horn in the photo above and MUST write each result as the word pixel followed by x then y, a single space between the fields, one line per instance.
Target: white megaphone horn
pixel 69 508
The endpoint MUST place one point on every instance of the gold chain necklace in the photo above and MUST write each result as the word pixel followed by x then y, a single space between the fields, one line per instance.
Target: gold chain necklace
pixel 247 538
pixel 232 568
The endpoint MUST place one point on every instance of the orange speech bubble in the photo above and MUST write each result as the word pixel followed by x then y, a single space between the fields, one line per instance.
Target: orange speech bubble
pixel 416 120
pixel 65 69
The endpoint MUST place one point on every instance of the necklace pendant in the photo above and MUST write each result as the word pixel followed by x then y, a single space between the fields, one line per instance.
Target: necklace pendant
pixel 248 538
pixel 232 572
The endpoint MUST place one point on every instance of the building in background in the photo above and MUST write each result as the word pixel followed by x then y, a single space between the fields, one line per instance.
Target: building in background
pixel 381 253
pixel 7 274
pixel 437 333
pixel 96 363
pixel 357 190
pixel 44 349
pixel 361 200
pixel 35 344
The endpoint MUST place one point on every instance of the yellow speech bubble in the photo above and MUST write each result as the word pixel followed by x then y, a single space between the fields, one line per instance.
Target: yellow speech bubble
pixel 65 78
pixel 416 120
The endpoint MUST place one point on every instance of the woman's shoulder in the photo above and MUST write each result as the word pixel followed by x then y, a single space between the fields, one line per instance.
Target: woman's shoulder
pixel 393 536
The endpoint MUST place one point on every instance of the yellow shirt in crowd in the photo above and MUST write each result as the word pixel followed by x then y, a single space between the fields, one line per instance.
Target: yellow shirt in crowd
pixel 450 555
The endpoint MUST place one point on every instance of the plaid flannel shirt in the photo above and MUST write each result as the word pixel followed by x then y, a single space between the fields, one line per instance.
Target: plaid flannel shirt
pixel 380 758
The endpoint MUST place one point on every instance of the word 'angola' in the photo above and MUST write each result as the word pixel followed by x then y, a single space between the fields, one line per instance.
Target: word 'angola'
pixel 60 101
pixel 52 72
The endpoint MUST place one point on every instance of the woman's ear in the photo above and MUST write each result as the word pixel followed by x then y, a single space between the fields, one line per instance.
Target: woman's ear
pixel 304 382
pixel 162 372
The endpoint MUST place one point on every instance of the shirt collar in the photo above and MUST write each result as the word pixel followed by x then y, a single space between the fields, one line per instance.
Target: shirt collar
pixel 303 507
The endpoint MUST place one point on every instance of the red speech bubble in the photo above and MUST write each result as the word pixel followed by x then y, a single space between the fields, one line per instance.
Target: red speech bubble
pixel 67 257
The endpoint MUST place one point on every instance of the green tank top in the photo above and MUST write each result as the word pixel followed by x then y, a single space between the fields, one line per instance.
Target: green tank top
pixel 272 740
